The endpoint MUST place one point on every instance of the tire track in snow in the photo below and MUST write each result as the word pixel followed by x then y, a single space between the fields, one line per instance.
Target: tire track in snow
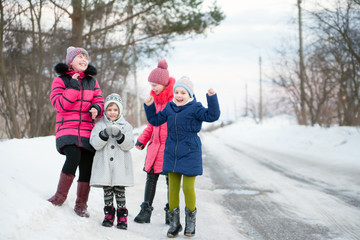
pixel 261 218
pixel 344 196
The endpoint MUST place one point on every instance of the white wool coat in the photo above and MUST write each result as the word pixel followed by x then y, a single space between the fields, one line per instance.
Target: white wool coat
pixel 112 164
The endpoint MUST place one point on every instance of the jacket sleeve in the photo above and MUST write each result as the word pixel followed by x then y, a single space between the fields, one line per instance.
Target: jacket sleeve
pixel 98 100
pixel 129 141
pixel 145 137
pixel 154 118
pixel 62 98
pixel 95 139
pixel 210 114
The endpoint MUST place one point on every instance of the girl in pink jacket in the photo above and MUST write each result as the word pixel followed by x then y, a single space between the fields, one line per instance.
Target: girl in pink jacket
pixel 155 137
pixel 77 99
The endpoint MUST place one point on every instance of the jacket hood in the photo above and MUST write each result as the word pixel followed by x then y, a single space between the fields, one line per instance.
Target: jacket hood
pixel 62 68
pixel 166 95
pixel 116 99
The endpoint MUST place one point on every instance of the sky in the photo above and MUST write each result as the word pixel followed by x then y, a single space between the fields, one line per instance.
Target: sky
pixel 227 59
pixel 30 169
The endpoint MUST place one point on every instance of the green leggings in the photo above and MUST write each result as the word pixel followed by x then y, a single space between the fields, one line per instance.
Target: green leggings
pixel 188 189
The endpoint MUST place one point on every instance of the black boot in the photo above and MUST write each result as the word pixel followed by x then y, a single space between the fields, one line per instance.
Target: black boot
pixel 109 212
pixel 190 222
pixel 175 226
pixel 167 214
pixel 145 213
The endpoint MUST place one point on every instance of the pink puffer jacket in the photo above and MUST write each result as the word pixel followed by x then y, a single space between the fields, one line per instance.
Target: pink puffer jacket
pixel 73 120
pixel 155 137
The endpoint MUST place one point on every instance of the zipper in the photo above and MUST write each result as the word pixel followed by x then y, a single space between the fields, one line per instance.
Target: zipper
pixel 177 142
pixel 81 101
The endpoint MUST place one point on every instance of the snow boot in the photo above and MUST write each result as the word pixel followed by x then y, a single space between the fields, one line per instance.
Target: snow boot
pixel 167 214
pixel 190 222
pixel 122 214
pixel 62 191
pixel 83 190
pixel 144 214
pixel 175 226
pixel 109 212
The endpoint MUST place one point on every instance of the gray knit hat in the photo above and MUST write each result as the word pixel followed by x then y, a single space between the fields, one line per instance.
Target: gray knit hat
pixel 114 98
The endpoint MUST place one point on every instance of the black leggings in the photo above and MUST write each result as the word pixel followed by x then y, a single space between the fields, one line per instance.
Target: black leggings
pixel 75 157
pixel 150 186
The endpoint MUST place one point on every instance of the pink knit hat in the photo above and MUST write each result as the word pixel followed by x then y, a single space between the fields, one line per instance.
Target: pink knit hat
pixel 72 52
pixel 160 75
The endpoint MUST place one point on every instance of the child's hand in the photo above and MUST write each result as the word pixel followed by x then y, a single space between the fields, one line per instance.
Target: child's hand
pixel 149 101
pixel 211 92
pixel 116 132
pixel 139 145
pixel 94 112
pixel 75 76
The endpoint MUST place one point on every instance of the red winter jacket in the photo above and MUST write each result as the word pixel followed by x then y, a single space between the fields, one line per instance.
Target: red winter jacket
pixel 73 120
pixel 156 136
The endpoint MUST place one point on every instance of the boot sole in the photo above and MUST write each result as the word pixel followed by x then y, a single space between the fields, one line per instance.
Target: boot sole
pixel 174 236
pixel 137 221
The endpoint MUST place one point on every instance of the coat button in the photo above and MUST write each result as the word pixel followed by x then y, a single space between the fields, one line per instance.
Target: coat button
pixel 111 158
pixel 112 146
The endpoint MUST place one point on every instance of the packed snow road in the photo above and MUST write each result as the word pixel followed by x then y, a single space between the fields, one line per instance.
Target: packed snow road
pixel 279 196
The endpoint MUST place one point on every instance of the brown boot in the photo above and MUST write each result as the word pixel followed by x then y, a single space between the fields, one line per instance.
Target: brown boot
pixel 83 190
pixel 64 185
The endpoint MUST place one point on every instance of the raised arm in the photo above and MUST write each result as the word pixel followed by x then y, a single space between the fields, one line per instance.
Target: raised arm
pixel 155 119
pixel 212 113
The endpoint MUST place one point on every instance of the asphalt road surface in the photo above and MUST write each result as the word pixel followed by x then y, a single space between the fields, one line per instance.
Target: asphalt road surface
pixel 278 197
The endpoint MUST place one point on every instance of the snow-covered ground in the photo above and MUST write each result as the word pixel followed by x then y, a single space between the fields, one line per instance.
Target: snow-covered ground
pixel 30 169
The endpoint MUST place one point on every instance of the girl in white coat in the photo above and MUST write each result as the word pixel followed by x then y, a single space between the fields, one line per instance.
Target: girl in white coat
pixel 112 137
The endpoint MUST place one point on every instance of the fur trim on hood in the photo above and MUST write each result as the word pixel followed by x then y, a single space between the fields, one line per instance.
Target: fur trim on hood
pixel 62 68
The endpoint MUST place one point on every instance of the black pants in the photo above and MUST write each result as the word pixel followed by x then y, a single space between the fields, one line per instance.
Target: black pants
pixel 150 186
pixel 78 157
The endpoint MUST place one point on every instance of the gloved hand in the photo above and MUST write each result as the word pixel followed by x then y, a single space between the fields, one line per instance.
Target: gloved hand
pixel 105 134
pixel 116 132
pixel 139 145
pixel 74 84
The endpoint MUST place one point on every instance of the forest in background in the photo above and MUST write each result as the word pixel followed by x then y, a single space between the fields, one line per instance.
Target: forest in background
pixel 119 35
pixel 317 71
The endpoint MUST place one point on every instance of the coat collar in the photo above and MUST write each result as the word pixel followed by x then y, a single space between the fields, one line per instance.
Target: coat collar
pixel 62 68
pixel 179 109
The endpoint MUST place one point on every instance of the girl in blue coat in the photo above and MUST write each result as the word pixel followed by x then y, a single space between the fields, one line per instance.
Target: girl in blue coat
pixel 182 155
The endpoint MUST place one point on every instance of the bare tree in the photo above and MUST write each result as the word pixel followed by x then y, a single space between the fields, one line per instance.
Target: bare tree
pixel 35 34
pixel 331 60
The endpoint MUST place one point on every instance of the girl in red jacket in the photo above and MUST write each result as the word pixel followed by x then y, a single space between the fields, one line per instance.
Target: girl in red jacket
pixel 77 99
pixel 155 137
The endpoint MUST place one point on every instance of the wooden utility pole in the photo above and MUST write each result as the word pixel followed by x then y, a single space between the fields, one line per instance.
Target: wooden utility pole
pixel 260 93
pixel 302 69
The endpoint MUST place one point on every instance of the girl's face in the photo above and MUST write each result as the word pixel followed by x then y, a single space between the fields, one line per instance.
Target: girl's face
pixel 80 63
pixel 181 96
pixel 157 88
pixel 112 111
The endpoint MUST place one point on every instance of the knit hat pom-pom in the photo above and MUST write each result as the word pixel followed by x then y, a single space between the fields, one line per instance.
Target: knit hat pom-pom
pixel 162 64
pixel 69 49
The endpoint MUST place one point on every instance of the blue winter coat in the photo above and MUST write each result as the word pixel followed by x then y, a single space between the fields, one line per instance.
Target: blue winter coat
pixel 182 152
